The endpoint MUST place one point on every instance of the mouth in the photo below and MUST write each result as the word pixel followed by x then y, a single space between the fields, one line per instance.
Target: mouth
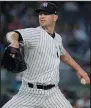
pixel 42 20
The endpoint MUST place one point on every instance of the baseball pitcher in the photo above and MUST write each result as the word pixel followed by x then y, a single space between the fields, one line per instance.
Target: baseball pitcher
pixel 43 50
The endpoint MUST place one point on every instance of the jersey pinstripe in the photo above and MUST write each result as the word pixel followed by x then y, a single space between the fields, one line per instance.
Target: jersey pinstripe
pixel 41 55
pixel 38 98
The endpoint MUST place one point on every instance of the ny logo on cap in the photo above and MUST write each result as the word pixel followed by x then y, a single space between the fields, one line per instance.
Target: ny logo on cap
pixel 45 4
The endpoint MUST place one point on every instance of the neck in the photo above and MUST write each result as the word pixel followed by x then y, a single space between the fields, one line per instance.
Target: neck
pixel 49 29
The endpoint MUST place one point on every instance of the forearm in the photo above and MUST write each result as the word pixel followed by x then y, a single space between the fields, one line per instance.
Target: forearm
pixel 12 38
pixel 67 59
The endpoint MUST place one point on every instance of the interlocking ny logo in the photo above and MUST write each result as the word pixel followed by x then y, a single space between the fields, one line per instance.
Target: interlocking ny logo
pixel 45 4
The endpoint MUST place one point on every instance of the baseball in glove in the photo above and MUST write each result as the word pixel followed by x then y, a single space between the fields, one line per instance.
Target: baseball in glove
pixel 13 60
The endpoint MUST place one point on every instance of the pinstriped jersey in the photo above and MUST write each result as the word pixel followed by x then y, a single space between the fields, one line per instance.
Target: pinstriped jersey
pixel 42 55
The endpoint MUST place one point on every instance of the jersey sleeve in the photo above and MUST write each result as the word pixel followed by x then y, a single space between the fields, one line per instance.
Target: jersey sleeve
pixel 61 47
pixel 30 36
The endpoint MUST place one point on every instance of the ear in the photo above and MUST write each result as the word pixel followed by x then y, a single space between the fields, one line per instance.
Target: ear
pixel 55 17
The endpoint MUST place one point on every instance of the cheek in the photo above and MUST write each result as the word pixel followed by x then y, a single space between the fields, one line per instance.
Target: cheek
pixel 50 19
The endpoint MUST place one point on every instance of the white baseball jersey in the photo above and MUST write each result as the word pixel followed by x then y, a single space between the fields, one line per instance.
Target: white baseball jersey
pixel 42 55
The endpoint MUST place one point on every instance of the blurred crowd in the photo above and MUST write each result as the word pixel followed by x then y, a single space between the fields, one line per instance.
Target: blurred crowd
pixel 74 27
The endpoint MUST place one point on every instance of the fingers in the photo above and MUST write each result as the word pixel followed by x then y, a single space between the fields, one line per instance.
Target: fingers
pixel 79 76
pixel 86 78
pixel 13 55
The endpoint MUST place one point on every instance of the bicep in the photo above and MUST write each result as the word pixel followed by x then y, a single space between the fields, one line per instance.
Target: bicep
pixel 30 36
pixel 66 56
pixel 62 56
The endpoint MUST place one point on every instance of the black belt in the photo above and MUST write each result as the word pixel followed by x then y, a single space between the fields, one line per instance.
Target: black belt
pixel 45 87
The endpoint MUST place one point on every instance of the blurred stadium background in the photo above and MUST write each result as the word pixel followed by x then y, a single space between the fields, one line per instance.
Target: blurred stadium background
pixel 74 27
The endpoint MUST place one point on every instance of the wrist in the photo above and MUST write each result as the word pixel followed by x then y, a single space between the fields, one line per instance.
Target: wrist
pixel 79 69
pixel 14 44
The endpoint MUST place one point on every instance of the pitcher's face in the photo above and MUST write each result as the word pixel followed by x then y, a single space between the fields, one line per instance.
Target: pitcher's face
pixel 47 19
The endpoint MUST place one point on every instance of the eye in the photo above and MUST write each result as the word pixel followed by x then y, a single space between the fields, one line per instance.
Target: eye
pixel 44 13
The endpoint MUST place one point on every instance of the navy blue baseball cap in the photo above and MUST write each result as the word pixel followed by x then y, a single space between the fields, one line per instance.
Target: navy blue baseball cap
pixel 48 7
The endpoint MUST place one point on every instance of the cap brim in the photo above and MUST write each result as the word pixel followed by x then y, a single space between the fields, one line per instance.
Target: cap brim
pixel 39 10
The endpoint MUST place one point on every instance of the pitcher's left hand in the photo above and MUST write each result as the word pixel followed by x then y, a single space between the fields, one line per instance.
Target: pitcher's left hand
pixel 82 74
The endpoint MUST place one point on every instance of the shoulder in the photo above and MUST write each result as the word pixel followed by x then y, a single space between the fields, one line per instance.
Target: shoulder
pixel 41 29
pixel 29 31
pixel 58 37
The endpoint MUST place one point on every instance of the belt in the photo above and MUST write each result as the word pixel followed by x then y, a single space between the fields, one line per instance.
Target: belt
pixel 45 87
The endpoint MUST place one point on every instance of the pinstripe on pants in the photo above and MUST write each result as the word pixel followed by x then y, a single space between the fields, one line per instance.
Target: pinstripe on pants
pixel 42 54
pixel 38 98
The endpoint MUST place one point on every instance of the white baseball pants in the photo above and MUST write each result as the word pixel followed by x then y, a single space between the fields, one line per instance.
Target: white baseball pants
pixel 38 98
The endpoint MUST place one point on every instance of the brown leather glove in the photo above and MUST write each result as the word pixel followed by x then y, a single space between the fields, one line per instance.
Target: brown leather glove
pixel 13 60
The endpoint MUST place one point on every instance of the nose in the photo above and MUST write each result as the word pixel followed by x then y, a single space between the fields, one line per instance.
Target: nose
pixel 42 16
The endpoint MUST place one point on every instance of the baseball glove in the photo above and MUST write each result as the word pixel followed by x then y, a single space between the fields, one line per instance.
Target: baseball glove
pixel 13 60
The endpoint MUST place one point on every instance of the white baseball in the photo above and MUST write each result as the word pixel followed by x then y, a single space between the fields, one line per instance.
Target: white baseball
pixel 83 81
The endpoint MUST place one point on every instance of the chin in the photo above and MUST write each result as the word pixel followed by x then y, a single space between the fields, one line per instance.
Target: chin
pixel 43 25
